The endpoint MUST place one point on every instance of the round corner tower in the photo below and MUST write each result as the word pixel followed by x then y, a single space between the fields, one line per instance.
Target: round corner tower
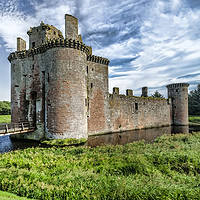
pixel 178 92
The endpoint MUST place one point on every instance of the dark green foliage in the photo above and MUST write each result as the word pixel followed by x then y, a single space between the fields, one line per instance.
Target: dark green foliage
pixel 194 101
pixel 157 94
pixel 167 169
pixel 5 107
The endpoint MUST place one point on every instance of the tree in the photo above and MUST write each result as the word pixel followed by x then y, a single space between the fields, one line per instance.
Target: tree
pixel 194 101
pixel 5 108
pixel 157 95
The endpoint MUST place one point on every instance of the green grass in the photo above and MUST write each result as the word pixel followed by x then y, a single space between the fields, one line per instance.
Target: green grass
pixel 194 119
pixel 5 119
pixel 63 142
pixel 169 168
pixel 10 196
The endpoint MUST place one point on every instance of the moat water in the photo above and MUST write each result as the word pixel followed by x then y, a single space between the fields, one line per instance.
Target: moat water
pixel 149 135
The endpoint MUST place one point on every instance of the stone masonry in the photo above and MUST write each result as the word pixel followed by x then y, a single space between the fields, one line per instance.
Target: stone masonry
pixel 62 90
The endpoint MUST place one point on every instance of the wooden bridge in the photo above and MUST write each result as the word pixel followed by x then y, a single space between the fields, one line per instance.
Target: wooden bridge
pixel 14 128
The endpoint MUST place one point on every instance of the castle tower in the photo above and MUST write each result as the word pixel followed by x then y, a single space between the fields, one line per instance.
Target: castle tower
pixel 178 92
pixel 41 34
pixel 71 27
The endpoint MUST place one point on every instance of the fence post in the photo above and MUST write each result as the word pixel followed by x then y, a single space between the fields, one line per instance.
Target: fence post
pixel 6 127
pixel 22 127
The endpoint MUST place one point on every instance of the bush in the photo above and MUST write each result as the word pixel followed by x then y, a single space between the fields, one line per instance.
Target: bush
pixel 5 107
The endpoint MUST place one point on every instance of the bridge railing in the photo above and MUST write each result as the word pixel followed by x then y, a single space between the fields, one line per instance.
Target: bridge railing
pixel 14 127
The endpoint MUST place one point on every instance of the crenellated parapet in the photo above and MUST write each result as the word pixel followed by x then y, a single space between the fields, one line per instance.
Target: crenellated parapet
pixel 59 42
pixel 97 59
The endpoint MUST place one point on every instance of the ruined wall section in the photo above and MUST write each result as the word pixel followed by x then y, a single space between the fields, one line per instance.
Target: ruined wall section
pixel 43 33
pixel 71 27
pixel 97 90
pixel 130 112
pixel 66 93
pixel 18 89
pixel 27 93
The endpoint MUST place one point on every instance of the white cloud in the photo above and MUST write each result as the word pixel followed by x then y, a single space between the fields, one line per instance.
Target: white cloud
pixel 148 42
pixel 119 50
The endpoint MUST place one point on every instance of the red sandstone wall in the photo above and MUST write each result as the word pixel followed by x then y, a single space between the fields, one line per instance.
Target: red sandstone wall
pixel 18 92
pixel 126 115
pixel 97 89
pixel 66 93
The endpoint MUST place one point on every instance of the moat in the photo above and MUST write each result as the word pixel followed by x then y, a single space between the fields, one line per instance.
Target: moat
pixel 121 138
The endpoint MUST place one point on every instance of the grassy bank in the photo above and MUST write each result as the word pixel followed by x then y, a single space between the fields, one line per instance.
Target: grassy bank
pixel 194 119
pixel 167 169
pixel 9 196
pixel 5 119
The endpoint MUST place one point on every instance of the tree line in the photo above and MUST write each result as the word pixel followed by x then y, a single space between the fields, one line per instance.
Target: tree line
pixel 194 101
pixel 5 107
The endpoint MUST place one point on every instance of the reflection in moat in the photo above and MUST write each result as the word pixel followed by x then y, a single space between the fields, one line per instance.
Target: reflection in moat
pixel 127 137
pixel 148 135
pixel 6 144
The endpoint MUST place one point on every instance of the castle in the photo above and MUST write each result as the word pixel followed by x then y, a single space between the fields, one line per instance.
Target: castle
pixel 62 90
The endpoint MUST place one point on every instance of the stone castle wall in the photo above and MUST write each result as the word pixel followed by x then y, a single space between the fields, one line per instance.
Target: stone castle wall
pixel 65 93
pixel 97 90
pixel 62 90
pixel 130 112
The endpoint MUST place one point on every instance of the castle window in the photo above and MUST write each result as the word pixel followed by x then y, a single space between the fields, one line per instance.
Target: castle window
pixel 87 69
pixel 91 85
pixel 54 33
pixel 88 108
pixel 37 30
pixel 136 106
pixel 92 69
pixel 48 78
pixel 33 67
pixel 33 44
pixel 176 90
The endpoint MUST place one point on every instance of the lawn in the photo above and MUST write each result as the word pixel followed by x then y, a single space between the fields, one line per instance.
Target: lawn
pixel 5 119
pixel 169 168
pixel 10 196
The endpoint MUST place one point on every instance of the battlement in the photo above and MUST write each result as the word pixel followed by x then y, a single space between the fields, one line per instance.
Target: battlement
pixel 123 96
pixel 176 85
pixel 65 43
pixel 129 94
pixel 97 59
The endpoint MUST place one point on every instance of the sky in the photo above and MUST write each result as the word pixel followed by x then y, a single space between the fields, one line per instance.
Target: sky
pixel 148 42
